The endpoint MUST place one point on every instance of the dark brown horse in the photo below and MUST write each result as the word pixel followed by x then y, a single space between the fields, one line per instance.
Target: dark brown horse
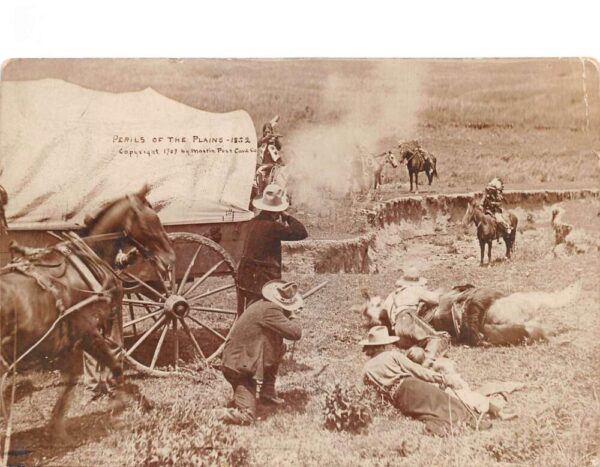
pixel 3 202
pixel 479 315
pixel 488 229
pixel 57 301
pixel 416 161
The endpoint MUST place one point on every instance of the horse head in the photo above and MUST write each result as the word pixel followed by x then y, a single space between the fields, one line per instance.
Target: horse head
pixel 372 310
pixel 133 215
pixel 470 214
pixel 391 159
pixel 403 152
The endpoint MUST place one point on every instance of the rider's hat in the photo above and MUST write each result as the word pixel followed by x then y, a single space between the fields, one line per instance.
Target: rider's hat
pixel 285 294
pixel 273 199
pixel 378 335
pixel 411 277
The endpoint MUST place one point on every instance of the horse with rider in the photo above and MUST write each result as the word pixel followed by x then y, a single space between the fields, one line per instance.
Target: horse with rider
pixel 417 160
pixel 269 156
pixel 493 197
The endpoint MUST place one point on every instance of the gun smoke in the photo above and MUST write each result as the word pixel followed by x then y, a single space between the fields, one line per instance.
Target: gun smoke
pixel 367 111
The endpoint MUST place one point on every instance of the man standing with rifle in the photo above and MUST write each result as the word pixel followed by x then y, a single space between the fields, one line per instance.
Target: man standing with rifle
pixel 261 255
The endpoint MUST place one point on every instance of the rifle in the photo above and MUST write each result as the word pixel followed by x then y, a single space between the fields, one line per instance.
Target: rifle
pixel 304 296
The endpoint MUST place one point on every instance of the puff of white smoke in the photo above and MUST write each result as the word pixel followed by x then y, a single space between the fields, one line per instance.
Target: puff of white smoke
pixel 370 110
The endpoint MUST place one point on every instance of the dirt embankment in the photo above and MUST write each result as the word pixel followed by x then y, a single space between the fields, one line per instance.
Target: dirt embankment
pixel 359 254
pixel 415 208
pixel 354 255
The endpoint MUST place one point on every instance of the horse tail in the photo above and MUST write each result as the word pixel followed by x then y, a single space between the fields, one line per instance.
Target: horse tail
pixel 536 300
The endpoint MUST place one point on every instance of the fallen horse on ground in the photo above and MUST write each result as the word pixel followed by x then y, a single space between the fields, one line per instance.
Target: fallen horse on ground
pixel 480 315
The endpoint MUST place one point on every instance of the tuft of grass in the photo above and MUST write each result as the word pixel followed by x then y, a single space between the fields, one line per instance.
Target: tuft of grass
pixel 183 434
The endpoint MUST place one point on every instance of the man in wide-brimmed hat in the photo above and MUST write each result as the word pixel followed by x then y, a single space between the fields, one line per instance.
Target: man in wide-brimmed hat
pixel 254 350
pixel 410 387
pixel 402 310
pixel 261 254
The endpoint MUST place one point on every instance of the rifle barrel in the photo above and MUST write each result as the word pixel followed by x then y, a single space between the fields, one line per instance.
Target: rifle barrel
pixel 315 289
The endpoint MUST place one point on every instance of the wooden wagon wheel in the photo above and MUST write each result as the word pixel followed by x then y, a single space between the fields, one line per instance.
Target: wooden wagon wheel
pixel 181 318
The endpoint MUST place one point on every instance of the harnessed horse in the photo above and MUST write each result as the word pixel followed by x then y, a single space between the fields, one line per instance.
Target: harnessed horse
pixel 416 161
pixel 488 230
pixel 64 299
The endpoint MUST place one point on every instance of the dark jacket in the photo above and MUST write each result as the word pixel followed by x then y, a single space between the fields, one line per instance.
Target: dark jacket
pixel 261 256
pixel 256 340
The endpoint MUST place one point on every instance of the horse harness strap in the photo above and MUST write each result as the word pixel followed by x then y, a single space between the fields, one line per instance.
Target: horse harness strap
pixel 27 268
pixel 81 268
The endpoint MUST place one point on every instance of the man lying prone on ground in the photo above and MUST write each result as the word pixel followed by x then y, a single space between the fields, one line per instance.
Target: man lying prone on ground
pixel 412 388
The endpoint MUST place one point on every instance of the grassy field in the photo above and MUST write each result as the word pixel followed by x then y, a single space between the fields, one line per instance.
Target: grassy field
pixel 559 409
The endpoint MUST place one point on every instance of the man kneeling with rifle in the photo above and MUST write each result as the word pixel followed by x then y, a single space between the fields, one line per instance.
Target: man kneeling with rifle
pixel 255 348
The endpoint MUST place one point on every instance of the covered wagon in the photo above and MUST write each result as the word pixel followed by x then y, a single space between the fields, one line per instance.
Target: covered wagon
pixel 66 150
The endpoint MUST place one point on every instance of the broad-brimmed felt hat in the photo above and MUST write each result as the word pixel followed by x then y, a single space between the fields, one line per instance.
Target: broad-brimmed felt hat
pixel 273 199
pixel 411 277
pixel 378 335
pixel 285 294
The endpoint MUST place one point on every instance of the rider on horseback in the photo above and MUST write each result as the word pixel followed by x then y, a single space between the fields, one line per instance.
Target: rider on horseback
pixel 492 202
pixel 3 202
pixel 269 156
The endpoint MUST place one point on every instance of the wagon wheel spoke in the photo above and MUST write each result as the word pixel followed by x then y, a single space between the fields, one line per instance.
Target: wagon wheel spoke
pixel 154 327
pixel 186 275
pixel 159 346
pixel 207 274
pixel 142 318
pixel 132 316
pixel 214 310
pixel 132 301
pixel 146 286
pixel 211 292
pixel 147 307
pixel 164 281
pixel 189 332
pixel 176 347
pixel 172 281
pixel 207 327
pixel 217 353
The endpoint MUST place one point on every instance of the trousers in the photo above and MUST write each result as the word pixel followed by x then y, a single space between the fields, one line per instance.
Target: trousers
pixel 244 388
pixel 426 402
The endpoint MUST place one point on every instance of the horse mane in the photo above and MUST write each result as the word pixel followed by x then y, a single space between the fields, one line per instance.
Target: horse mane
pixel 91 219
pixel 462 288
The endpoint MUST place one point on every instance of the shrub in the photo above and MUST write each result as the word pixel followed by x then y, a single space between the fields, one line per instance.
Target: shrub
pixel 343 412
pixel 182 436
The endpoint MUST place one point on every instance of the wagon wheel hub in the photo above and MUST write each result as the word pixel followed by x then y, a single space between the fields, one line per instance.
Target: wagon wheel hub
pixel 177 305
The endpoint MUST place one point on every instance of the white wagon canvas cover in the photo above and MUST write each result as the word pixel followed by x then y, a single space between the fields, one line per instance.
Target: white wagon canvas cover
pixel 65 150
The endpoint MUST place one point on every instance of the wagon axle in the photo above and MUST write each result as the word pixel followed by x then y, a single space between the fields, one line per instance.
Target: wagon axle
pixel 176 305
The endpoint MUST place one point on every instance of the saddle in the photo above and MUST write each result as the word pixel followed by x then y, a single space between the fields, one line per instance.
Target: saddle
pixel 47 266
